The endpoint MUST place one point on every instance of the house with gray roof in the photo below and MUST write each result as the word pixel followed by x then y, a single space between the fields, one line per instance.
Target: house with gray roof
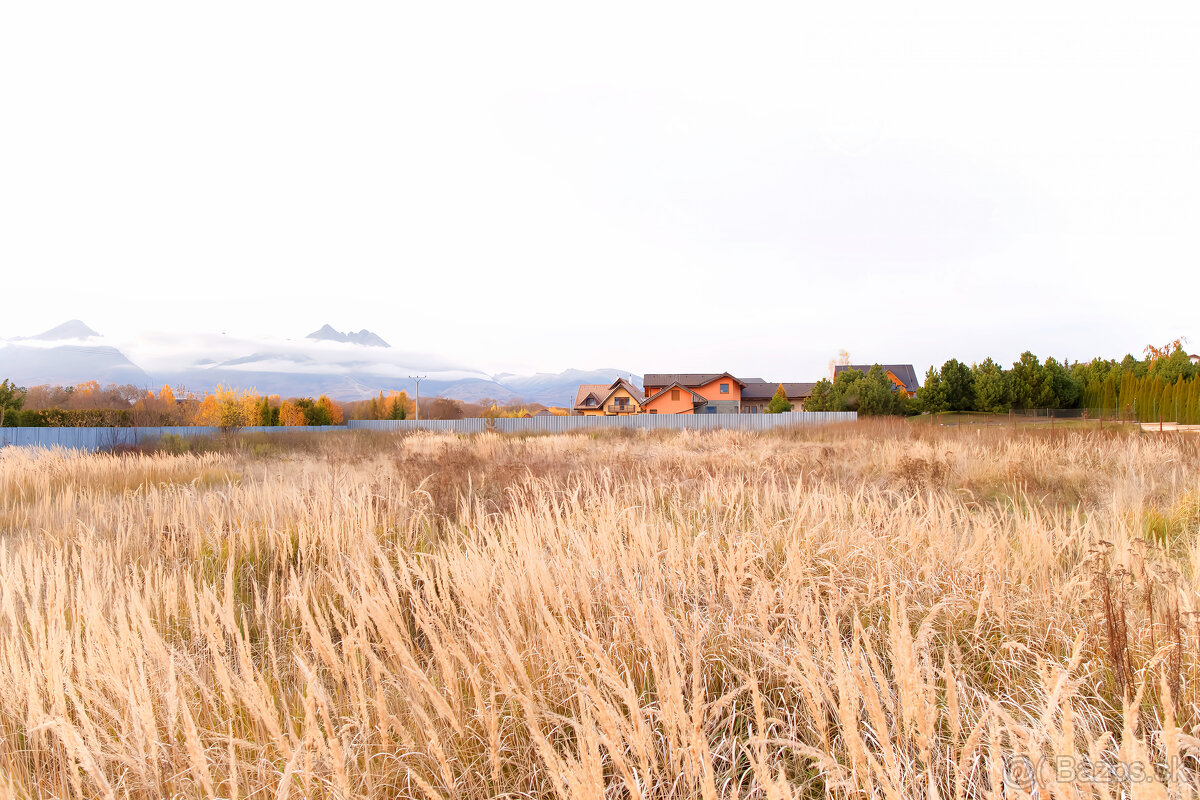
pixel 756 395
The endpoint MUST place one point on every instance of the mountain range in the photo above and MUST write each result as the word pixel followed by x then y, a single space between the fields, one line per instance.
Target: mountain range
pixel 346 366
pixel 364 337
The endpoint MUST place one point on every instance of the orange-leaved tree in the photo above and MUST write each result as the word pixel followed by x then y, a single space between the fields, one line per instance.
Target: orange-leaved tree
pixel 228 408
pixel 291 414
pixel 207 411
pixel 1155 353
pixel 336 415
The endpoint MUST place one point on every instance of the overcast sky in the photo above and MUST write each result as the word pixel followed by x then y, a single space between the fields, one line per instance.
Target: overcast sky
pixel 652 187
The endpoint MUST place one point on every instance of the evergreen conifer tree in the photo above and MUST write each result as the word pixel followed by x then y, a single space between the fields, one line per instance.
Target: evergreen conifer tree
pixel 779 402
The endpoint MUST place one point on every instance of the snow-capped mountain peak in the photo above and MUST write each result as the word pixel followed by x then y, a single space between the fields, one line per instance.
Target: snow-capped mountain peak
pixel 71 329
pixel 365 337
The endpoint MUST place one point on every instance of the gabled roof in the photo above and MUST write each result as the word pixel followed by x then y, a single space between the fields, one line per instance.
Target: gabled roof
pixel 603 391
pixel 621 383
pixel 597 390
pixel 696 398
pixel 765 391
pixel 905 372
pixel 687 378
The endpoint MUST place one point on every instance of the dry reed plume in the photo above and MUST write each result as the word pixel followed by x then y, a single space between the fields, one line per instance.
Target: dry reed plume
pixel 879 610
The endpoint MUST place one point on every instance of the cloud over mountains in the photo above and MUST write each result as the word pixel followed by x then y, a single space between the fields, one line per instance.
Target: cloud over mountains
pixel 346 366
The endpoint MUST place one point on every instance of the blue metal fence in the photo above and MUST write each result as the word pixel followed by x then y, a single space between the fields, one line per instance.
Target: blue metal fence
pixel 107 438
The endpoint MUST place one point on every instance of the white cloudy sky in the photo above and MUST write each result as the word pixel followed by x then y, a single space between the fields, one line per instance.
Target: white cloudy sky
pixel 678 186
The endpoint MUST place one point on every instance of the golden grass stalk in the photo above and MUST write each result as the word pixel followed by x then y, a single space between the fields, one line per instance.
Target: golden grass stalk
pixel 878 610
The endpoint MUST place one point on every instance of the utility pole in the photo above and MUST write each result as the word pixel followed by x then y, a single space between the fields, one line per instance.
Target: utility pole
pixel 417 379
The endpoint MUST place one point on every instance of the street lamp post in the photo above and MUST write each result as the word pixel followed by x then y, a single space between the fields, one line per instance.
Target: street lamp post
pixel 417 379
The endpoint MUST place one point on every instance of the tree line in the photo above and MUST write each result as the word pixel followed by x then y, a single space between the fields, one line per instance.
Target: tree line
pixel 1164 384
pixel 91 405
pixel 398 405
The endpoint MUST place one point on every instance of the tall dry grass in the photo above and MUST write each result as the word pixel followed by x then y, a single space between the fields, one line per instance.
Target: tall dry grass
pixel 872 611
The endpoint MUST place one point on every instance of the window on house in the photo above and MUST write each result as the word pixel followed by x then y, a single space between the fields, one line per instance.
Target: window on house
pixel 674 394
pixel 724 388
pixel 654 411
pixel 710 409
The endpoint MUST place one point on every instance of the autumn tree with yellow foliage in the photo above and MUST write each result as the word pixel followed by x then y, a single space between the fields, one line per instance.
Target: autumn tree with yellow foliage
pixel 393 405
pixel 158 409
pixel 332 409
pixel 291 415
pixel 229 408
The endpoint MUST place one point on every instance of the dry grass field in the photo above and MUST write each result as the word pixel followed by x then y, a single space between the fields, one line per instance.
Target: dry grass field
pixel 877 610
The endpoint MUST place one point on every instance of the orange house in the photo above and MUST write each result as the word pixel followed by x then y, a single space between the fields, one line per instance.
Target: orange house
pixel 722 392
pixel 687 393
pixel 674 399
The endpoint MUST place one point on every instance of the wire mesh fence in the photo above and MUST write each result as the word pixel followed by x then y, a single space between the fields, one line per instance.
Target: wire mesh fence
pixel 1053 416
